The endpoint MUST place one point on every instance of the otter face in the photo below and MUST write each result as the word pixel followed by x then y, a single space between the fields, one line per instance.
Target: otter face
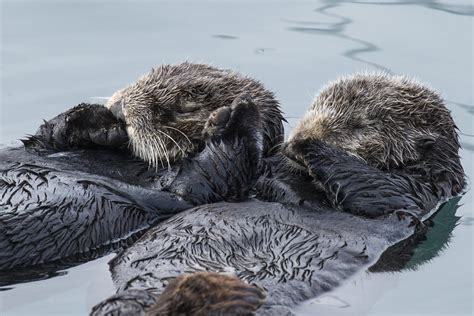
pixel 166 110
pixel 387 121
pixel 161 130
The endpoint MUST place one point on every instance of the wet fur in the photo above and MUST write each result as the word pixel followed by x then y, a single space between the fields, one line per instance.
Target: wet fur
pixel 61 205
pixel 165 110
pixel 385 120
pixel 378 143
pixel 303 247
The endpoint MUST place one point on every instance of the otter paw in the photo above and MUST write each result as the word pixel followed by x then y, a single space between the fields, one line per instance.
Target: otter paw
pixel 206 293
pixel 241 116
pixel 91 124
pixel 85 125
pixel 108 136
pixel 297 149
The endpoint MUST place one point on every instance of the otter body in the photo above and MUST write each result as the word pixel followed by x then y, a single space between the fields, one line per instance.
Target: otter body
pixel 291 253
pixel 72 204
pixel 76 203
pixel 392 195
pixel 369 145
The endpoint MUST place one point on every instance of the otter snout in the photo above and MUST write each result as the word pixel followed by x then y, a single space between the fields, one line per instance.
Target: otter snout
pixel 117 110
pixel 115 104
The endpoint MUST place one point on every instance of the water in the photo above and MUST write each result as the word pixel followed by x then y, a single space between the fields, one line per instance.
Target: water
pixel 57 54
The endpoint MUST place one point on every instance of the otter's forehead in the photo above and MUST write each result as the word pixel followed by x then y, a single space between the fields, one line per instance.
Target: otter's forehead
pixel 398 95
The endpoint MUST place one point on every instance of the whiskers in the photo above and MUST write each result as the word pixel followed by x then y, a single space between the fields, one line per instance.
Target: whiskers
pixel 179 131
pixel 157 147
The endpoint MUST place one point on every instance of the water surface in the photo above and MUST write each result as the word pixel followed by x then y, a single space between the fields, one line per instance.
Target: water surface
pixel 56 54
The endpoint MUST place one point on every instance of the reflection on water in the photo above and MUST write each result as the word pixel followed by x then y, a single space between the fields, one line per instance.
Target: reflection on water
pixel 459 9
pixel 438 235
pixel 223 36
pixel 338 29
pixel 467 146
pixel 423 246
pixel 408 255
pixel 57 54
pixel 468 107
pixel 262 50
pixel 468 221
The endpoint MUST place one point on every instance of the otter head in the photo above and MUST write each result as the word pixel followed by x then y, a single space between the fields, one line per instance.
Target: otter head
pixel 388 121
pixel 166 110
pixel 161 124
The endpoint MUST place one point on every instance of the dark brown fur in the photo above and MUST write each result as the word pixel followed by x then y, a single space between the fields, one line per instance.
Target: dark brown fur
pixel 207 293
pixel 391 122
pixel 165 110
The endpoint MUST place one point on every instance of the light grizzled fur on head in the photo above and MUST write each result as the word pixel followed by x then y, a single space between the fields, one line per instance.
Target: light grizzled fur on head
pixel 379 118
pixel 165 110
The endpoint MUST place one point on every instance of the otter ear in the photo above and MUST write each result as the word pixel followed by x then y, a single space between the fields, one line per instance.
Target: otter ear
pixel 426 142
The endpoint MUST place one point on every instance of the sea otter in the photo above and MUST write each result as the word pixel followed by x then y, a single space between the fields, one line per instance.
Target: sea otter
pixel 394 132
pixel 162 115
pixel 181 105
pixel 301 247
pixel 380 197
pixel 77 203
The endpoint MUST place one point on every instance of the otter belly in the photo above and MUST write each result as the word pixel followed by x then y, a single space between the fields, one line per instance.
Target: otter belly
pixel 69 204
pixel 293 252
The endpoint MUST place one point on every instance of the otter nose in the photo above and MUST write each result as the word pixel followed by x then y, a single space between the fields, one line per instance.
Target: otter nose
pixel 117 110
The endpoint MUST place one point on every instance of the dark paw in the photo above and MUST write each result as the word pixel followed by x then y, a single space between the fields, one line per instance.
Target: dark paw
pixel 314 152
pixel 296 150
pixel 113 135
pixel 241 116
pixel 207 293
pixel 86 125
pixel 93 124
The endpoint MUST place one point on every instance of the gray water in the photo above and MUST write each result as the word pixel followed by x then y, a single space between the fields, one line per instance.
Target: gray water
pixel 56 54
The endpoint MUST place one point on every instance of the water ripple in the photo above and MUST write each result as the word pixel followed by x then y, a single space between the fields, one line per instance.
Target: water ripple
pixel 338 29
pixel 224 36
pixel 467 146
pixel 457 9
pixel 469 108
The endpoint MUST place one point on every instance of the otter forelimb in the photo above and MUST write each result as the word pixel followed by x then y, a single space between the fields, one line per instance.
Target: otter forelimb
pixel 353 186
pixel 83 126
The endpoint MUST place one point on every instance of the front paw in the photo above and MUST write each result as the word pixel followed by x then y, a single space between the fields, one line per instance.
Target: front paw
pixel 93 125
pixel 86 125
pixel 296 150
pixel 113 135
pixel 241 117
